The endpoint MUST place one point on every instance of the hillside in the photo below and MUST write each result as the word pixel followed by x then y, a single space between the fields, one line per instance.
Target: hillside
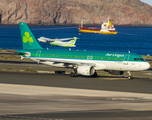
pixel 121 12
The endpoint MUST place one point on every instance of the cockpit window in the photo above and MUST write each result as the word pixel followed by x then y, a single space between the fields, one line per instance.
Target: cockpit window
pixel 142 59
pixel 139 59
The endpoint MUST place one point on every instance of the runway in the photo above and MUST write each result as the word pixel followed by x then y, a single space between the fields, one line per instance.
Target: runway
pixel 56 97
pixel 137 85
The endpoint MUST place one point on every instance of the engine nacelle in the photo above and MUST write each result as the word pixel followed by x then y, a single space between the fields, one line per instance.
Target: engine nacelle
pixel 114 72
pixel 86 70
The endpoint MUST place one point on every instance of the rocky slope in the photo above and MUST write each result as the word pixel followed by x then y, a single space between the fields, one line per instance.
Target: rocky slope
pixel 122 12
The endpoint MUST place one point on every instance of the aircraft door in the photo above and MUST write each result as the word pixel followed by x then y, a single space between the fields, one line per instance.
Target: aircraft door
pixel 126 58
pixel 38 53
pixel 89 57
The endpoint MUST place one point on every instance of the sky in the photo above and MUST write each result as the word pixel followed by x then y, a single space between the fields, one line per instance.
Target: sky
pixel 147 1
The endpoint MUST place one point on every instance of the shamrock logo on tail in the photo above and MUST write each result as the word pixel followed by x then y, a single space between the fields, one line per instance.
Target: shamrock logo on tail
pixel 27 38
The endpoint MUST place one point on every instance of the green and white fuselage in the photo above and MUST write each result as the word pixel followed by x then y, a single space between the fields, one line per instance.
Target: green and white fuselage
pixel 100 60
pixel 83 62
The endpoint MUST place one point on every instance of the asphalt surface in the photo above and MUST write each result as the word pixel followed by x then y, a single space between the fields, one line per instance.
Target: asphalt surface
pixel 86 115
pixel 17 62
pixel 65 81
pixel 137 85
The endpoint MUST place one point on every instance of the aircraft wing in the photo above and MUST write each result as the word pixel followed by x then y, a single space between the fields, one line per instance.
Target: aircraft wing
pixel 43 39
pixel 68 62
pixel 63 39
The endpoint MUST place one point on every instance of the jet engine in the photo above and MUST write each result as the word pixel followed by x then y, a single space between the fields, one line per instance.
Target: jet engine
pixel 86 70
pixel 114 72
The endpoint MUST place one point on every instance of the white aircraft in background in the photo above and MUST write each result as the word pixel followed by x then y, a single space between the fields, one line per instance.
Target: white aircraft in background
pixel 59 42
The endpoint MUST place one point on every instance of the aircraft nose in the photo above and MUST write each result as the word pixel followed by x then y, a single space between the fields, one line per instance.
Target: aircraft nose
pixel 146 66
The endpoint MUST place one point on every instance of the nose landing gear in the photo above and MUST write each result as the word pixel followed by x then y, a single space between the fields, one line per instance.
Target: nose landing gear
pixel 129 73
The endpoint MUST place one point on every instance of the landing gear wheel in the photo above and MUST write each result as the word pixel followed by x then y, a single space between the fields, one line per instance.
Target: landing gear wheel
pixel 130 77
pixel 72 74
pixel 75 74
pixel 94 75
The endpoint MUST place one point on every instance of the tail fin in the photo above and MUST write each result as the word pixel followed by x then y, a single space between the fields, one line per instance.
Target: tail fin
pixel 28 39
pixel 73 41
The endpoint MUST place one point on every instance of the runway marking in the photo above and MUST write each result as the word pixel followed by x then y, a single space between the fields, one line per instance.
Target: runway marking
pixel 41 90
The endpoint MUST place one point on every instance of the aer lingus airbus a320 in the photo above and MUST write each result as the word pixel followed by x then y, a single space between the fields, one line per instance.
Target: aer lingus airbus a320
pixel 81 62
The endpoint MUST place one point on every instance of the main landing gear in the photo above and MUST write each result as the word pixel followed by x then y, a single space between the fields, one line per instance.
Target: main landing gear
pixel 94 75
pixel 73 73
pixel 129 73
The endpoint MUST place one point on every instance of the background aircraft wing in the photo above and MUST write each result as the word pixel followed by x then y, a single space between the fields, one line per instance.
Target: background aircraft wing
pixel 44 39
pixel 63 39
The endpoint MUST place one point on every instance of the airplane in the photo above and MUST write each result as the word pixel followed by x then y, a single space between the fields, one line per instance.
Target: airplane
pixel 86 63
pixel 59 42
